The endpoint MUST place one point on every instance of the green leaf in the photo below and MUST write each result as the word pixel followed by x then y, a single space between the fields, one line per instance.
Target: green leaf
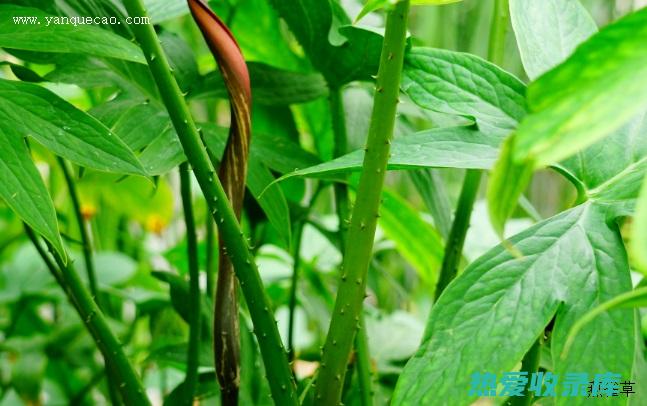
pixel 599 88
pixel 271 86
pixel 635 298
pixel 373 5
pixel 610 157
pixel 62 38
pixel 164 10
pixel 543 46
pixel 269 196
pixel 22 188
pixel 23 73
pixel 466 85
pixel 639 236
pixel 281 154
pixel 415 239
pixel 508 181
pixel 30 110
pixel 457 147
pixel 570 264
pixel 356 52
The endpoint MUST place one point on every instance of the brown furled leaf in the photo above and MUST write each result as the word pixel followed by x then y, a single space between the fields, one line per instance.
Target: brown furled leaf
pixel 232 174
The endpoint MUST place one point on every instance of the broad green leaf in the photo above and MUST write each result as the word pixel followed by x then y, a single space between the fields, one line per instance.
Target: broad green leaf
pixel 144 126
pixel 570 264
pixel 260 34
pixel 611 156
pixel 639 236
pixel 356 52
pixel 508 181
pixel 269 196
pixel 47 36
pixel 28 110
pixel 373 5
pixel 599 88
pixel 270 86
pixel 457 147
pixel 634 298
pixel 22 188
pixel 548 31
pixel 466 85
pixel 416 240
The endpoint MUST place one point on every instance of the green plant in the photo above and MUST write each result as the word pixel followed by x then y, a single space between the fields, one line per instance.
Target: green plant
pixel 405 193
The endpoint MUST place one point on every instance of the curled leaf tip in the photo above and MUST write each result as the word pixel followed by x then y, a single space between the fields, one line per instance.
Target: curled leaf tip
pixel 224 47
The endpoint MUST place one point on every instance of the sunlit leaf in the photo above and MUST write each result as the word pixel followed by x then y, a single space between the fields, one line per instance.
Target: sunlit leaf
pixel 541 45
pixel 599 88
pixel 504 301
pixel 29 110
pixel 49 36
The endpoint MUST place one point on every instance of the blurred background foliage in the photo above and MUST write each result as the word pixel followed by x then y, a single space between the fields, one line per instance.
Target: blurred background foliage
pixel 46 356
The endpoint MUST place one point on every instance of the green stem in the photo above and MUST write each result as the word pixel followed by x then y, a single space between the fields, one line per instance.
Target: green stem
pixel 83 231
pixel 364 373
pixel 130 386
pixel 472 181
pixel 193 351
pixel 499 31
pixel 298 234
pixel 529 364
pixel 274 356
pixel 456 240
pixel 338 115
pixel 352 286
pixel 88 258
pixel 210 265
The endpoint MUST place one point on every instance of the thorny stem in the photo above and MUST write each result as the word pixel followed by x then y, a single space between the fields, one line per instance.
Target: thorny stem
pixel 130 386
pixel 343 212
pixel 88 259
pixel 348 304
pixel 279 375
pixel 193 351
pixel 472 181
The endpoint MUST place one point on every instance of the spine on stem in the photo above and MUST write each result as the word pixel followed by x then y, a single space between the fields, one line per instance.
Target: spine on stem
pixel 363 358
pixel 350 295
pixel 129 384
pixel 272 350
